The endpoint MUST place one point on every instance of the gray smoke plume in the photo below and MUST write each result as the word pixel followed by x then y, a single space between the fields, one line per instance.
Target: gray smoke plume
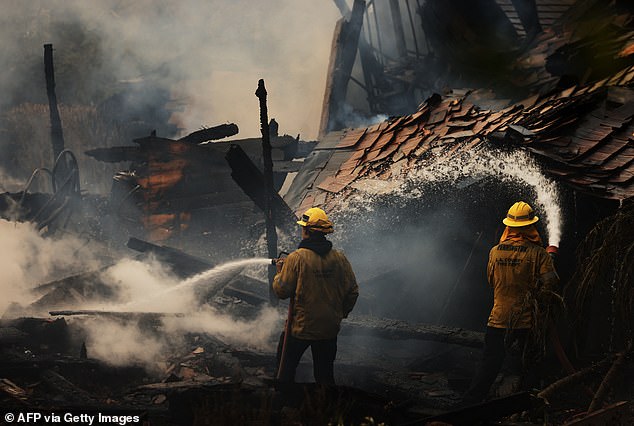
pixel 208 54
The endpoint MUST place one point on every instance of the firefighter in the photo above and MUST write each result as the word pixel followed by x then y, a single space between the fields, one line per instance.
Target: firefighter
pixel 323 289
pixel 518 268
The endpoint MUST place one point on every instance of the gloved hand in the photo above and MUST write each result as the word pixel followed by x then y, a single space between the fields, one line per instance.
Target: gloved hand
pixel 278 264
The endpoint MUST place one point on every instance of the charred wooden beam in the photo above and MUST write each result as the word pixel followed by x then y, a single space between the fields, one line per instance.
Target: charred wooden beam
pixel 57 134
pixel 373 74
pixel 399 330
pixel 182 264
pixel 249 177
pixel 116 154
pixel 114 314
pixel 344 52
pixel 211 134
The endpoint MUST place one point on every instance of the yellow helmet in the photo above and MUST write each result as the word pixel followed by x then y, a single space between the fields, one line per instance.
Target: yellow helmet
pixel 316 220
pixel 520 214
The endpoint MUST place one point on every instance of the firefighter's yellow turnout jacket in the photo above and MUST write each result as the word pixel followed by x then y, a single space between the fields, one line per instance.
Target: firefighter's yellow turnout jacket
pixel 325 291
pixel 517 266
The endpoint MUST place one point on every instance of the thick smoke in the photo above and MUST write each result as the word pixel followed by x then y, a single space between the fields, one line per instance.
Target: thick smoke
pixel 140 286
pixel 208 54
pixel 28 260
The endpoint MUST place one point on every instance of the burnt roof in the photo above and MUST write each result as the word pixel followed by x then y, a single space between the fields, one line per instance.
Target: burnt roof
pixel 583 135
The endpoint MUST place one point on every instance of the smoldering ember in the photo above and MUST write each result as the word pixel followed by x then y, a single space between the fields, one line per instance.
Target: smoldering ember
pixel 141 248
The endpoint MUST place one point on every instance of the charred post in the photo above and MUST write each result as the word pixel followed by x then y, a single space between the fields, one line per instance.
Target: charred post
pixel 271 234
pixel 344 52
pixel 57 135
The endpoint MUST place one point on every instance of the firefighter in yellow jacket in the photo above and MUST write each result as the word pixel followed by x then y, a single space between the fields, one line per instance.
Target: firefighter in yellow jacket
pixel 323 290
pixel 518 267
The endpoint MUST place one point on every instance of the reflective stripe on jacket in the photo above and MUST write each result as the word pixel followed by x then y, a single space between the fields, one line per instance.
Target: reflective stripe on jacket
pixel 325 291
pixel 515 268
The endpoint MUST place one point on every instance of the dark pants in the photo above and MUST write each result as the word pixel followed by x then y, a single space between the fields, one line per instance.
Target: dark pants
pixel 497 345
pixel 323 351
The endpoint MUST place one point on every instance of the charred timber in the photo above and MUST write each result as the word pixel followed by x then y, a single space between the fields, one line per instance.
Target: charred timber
pixel 249 177
pixel 373 75
pixel 211 134
pixel 182 264
pixel 392 329
pixel 114 314
pixel 57 134
pixel 344 52
pixel 269 209
pixel 116 154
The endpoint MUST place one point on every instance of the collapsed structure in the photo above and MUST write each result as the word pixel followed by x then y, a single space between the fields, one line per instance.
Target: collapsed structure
pixel 553 83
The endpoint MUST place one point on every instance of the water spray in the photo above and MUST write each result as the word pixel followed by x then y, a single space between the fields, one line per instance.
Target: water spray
pixel 516 167
pixel 212 279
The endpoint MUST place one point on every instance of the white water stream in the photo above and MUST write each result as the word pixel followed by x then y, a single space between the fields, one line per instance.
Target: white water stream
pixel 516 168
pixel 212 280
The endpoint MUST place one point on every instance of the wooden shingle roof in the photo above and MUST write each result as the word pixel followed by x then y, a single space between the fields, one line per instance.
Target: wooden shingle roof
pixel 582 135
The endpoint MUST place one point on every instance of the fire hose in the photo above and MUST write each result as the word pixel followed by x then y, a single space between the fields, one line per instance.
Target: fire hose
pixel 289 321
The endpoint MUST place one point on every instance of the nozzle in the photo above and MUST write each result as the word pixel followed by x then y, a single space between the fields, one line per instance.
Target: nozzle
pixel 279 256
pixel 553 251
